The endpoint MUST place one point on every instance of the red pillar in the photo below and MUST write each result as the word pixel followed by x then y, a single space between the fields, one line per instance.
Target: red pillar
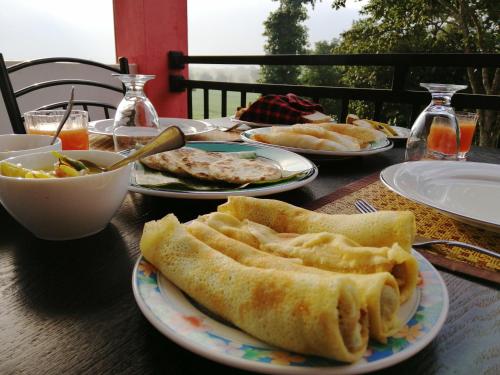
pixel 145 30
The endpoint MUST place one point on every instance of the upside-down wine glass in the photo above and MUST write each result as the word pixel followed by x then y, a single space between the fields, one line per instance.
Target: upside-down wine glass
pixel 136 121
pixel 435 133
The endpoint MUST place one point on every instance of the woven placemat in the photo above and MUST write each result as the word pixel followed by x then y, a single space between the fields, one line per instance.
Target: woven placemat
pixel 430 223
pixel 101 142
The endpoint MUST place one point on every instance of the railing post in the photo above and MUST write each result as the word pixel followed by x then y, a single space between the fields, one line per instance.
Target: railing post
pixel 378 110
pixel 415 111
pixel 243 99
pixel 124 68
pixel 176 83
pixel 190 103
pixel 398 85
pixel 176 60
pixel 399 77
pixel 206 103
pixel 223 107
pixel 344 109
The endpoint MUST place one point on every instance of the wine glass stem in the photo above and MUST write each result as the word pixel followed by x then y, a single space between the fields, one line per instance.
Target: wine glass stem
pixel 439 98
pixel 135 88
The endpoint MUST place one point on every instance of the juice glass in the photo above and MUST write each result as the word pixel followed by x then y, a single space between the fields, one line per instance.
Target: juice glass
pixel 442 138
pixel 467 122
pixel 435 134
pixel 74 135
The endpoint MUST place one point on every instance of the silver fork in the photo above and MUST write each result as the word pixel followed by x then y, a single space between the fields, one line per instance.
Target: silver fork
pixel 365 207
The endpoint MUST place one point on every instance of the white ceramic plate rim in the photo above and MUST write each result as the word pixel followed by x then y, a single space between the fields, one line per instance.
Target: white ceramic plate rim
pixel 256 124
pixel 245 136
pixel 33 150
pixel 253 192
pixel 236 362
pixel 403 133
pixel 104 127
pixel 387 178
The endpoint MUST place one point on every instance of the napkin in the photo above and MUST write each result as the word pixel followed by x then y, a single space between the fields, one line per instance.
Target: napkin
pixel 280 109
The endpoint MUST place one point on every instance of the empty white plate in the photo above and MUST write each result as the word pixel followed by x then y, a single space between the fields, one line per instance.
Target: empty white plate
pixel 468 192
pixel 188 126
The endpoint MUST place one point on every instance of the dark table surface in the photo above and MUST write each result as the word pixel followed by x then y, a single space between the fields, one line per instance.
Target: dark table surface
pixel 68 307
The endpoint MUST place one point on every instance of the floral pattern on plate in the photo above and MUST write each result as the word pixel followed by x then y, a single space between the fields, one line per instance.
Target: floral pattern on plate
pixel 191 326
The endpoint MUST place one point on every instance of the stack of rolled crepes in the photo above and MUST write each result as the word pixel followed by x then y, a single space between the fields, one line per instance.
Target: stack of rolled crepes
pixel 307 282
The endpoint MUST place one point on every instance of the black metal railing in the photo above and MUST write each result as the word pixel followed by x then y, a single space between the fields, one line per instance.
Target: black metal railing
pixel 401 64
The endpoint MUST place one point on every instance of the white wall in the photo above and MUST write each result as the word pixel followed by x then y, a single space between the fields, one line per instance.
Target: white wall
pixel 47 72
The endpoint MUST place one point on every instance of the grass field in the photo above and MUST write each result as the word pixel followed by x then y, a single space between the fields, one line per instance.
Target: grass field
pixel 214 102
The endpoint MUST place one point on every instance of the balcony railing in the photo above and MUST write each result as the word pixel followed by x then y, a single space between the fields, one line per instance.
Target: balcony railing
pixel 400 63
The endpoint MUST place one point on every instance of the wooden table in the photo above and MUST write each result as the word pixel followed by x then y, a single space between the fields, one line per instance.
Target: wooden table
pixel 67 307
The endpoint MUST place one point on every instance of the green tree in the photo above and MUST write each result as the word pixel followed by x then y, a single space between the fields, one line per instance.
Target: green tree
pixel 429 26
pixel 323 75
pixel 286 34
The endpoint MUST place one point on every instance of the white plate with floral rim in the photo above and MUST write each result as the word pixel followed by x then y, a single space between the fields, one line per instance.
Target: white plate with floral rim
pixel 189 325
pixel 373 148
pixel 188 126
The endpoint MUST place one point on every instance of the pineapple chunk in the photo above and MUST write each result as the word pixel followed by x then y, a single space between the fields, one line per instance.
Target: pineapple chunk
pixel 12 170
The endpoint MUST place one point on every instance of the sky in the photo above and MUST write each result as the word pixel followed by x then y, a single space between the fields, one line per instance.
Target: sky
pixel 220 27
pixel 84 28
pixel 44 28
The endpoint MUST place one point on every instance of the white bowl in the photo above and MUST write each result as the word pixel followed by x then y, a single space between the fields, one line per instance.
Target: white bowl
pixel 20 144
pixel 65 208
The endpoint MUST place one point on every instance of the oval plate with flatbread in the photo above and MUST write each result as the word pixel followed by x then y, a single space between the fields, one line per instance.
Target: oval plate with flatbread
pixel 290 163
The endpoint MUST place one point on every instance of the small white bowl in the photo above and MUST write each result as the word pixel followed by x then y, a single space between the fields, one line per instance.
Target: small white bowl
pixel 21 144
pixel 65 208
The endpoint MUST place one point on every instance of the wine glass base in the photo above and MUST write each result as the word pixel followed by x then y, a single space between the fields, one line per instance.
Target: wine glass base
pixel 434 155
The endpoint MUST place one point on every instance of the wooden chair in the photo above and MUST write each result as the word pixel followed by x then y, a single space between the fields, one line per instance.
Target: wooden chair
pixel 11 97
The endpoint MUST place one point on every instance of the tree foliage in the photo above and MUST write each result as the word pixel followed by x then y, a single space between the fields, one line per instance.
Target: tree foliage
pixel 429 26
pixel 323 75
pixel 286 34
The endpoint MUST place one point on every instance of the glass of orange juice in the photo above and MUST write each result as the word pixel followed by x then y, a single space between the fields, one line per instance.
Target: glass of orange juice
pixel 467 122
pixel 74 135
pixel 435 134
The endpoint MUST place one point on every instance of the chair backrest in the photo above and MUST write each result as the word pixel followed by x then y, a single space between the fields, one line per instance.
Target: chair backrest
pixel 11 96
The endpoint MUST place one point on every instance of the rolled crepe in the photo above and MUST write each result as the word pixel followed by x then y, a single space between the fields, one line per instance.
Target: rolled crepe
pixel 351 143
pixel 231 227
pixel 365 135
pixel 296 311
pixel 324 250
pixel 335 252
pixel 379 291
pixel 290 139
pixel 382 228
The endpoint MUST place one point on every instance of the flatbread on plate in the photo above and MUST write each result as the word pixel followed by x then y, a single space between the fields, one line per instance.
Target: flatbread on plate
pixel 213 166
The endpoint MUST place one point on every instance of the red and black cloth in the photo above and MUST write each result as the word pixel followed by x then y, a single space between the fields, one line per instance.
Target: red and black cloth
pixel 280 109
